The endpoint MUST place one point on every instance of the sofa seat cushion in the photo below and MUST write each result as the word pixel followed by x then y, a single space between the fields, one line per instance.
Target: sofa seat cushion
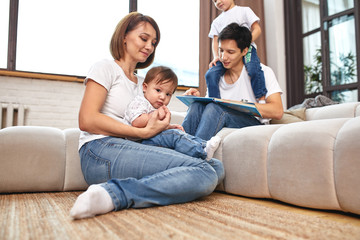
pixel 301 163
pixel 311 163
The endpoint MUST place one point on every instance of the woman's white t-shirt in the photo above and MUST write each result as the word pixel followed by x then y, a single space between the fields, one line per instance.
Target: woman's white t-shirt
pixel 121 91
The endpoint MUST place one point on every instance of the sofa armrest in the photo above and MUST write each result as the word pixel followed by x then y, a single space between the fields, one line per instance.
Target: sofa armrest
pixel 32 159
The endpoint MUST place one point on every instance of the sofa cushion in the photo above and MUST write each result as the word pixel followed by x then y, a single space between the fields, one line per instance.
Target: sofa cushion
pixel 347 166
pixel 245 153
pixel 74 178
pixel 32 159
pixel 301 163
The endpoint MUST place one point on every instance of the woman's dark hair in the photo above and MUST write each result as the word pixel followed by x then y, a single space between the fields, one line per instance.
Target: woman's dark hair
pixel 241 35
pixel 127 24
pixel 161 74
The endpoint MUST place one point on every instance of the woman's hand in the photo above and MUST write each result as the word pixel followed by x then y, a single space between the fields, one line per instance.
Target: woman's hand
pixel 193 92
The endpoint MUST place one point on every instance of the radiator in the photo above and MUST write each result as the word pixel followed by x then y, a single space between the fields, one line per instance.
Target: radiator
pixel 12 114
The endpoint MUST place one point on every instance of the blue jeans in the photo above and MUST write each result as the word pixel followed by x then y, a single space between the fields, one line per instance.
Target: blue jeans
pixel 137 175
pixel 205 120
pixel 180 142
pixel 253 67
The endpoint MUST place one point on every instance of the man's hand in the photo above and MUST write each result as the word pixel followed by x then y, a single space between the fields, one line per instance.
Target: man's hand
pixel 193 92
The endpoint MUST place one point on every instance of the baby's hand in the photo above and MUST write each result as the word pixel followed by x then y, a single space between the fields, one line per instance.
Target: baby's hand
pixel 163 110
pixel 175 126
pixel 161 113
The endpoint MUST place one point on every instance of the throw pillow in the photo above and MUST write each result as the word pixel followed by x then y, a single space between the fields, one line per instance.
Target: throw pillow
pixel 291 116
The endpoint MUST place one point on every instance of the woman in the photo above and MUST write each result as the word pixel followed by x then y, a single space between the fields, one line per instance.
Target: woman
pixel 205 120
pixel 123 173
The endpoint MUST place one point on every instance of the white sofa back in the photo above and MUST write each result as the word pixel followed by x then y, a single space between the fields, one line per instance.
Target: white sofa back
pixel 344 110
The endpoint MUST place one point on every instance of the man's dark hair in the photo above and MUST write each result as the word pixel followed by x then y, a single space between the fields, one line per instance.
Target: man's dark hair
pixel 241 35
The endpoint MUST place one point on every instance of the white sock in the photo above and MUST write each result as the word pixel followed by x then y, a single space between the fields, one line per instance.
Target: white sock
pixel 95 200
pixel 211 146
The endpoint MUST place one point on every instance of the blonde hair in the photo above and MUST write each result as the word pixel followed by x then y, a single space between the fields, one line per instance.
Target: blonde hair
pixel 127 24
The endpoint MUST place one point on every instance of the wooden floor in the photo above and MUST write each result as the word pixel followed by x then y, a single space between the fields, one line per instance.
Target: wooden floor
pixel 218 216
pixel 336 216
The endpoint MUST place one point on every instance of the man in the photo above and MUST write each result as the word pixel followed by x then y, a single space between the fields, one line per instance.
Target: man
pixel 205 120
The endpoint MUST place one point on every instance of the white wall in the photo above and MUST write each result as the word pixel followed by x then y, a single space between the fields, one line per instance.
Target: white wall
pixel 49 103
pixel 275 41
pixel 52 103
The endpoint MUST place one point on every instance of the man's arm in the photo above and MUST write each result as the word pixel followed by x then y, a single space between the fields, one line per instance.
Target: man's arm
pixel 273 107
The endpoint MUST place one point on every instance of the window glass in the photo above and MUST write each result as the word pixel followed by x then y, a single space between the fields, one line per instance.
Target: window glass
pixel 310 15
pixel 345 96
pixel 336 6
pixel 4 31
pixel 312 63
pixel 179 43
pixel 65 36
pixel 342 50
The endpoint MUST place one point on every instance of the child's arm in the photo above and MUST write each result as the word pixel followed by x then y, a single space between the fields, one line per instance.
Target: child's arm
pixel 255 31
pixel 215 51
pixel 141 121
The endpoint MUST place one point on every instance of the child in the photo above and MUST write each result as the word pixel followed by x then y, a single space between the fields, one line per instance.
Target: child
pixel 243 16
pixel 159 85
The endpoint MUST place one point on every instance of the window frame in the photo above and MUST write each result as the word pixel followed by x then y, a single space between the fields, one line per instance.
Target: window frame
pixel 294 51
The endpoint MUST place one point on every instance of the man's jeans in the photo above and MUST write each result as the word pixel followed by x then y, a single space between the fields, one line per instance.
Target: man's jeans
pixel 180 142
pixel 206 120
pixel 253 67
pixel 137 175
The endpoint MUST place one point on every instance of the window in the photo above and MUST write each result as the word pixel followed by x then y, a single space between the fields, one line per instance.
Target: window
pixel 178 48
pixel 66 37
pixel 4 29
pixel 322 49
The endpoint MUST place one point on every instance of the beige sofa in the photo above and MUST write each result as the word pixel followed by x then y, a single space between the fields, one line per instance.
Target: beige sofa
pixel 313 163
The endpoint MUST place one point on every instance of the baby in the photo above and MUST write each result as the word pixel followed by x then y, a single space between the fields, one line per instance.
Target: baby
pixel 159 85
